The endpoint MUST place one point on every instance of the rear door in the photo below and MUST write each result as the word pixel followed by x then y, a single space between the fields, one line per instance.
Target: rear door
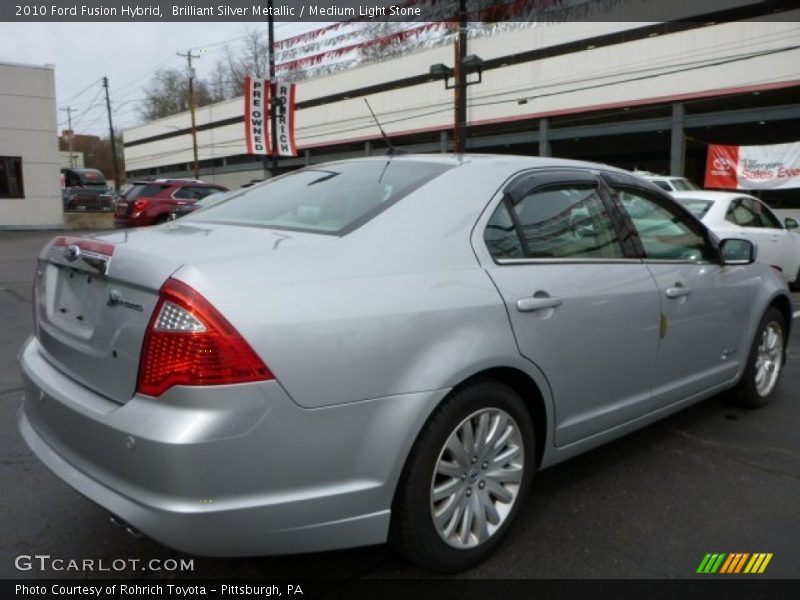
pixel 581 309
pixel 705 307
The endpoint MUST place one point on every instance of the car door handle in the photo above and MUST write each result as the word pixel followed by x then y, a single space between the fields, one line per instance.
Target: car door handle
pixel 539 301
pixel 678 291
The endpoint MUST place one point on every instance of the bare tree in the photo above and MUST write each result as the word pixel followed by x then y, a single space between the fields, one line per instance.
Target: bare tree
pixel 251 59
pixel 220 85
pixel 168 94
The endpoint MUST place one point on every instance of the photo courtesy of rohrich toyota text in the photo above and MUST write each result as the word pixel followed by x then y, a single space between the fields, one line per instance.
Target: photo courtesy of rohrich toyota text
pixel 400 299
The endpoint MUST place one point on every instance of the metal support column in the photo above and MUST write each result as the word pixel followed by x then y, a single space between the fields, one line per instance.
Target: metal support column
pixel 544 138
pixel 677 152
pixel 443 142
pixel 367 148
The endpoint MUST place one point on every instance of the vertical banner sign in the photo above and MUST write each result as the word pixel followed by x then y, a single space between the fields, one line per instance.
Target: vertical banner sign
pixel 256 115
pixel 771 167
pixel 284 119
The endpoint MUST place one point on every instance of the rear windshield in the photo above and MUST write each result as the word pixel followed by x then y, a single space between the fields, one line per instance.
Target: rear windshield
pixel 684 185
pixel 145 190
pixel 92 177
pixel 663 185
pixel 334 198
pixel 698 208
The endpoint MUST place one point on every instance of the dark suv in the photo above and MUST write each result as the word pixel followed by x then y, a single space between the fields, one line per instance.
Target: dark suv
pixel 151 202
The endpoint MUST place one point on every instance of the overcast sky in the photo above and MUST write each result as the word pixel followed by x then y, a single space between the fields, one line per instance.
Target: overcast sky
pixel 128 53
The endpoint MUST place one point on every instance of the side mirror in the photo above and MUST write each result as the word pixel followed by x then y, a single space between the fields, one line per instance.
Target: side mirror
pixel 736 251
pixel 791 223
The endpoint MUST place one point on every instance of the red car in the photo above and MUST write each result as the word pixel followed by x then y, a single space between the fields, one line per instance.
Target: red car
pixel 151 202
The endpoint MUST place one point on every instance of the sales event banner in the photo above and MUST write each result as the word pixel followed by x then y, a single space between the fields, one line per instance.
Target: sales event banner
pixel 256 115
pixel 772 167
pixel 284 119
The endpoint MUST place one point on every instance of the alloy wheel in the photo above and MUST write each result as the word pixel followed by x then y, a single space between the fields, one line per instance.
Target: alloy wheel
pixel 477 478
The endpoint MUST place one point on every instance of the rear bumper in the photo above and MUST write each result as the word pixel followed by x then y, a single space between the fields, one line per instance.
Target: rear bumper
pixel 226 471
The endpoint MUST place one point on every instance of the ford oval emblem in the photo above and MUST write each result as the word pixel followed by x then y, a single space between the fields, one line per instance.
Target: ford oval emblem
pixel 72 252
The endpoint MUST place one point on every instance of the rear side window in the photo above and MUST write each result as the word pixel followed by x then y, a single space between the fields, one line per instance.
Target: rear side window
pixel 334 198
pixel 563 221
pixel 193 193
pixel 145 190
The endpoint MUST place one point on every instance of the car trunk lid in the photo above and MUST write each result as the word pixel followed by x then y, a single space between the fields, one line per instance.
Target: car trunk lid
pixel 94 296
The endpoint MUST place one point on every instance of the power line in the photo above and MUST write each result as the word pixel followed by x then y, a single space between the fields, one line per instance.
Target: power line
pixel 83 91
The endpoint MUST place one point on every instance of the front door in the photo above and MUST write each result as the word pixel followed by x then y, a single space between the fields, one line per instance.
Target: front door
pixel 704 305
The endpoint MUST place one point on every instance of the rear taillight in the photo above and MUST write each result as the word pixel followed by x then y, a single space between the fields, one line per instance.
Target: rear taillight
pixel 188 342
pixel 139 205
pixel 37 275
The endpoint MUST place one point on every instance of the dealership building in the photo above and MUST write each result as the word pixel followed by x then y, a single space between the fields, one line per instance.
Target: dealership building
pixel 639 95
pixel 30 192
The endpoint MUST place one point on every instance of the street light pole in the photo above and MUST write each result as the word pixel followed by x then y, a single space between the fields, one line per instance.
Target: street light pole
pixel 189 56
pixel 459 129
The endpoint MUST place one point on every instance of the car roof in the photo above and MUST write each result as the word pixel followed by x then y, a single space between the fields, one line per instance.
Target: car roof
pixel 650 175
pixel 498 160
pixel 711 195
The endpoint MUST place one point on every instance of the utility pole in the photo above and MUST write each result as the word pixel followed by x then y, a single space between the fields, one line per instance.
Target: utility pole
pixel 272 89
pixel 113 138
pixel 459 129
pixel 68 110
pixel 189 56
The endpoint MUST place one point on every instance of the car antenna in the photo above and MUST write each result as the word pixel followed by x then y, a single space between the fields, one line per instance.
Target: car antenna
pixel 392 148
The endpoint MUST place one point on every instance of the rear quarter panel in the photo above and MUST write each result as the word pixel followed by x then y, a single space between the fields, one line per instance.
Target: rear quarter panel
pixel 398 306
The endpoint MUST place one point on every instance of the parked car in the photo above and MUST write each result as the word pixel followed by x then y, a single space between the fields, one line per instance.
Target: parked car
pixel 383 349
pixel 182 210
pixel 734 214
pixel 85 189
pixel 152 202
pixel 668 183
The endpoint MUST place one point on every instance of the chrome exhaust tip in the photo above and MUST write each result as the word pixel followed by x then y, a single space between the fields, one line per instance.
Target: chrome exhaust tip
pixel 125 526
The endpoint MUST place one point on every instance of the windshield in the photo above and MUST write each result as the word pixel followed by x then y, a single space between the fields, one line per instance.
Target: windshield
pixel 334 198
pixel 697 207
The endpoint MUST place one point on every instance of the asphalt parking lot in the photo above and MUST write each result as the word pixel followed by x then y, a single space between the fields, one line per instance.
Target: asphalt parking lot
pixel 709 479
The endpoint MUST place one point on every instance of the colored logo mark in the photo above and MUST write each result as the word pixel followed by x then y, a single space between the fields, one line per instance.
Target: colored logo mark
pixel 737 562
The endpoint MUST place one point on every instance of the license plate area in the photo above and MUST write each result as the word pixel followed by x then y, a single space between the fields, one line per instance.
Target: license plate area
pixel 77 298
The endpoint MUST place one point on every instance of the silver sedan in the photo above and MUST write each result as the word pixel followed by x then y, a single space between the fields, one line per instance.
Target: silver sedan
pixel 383 349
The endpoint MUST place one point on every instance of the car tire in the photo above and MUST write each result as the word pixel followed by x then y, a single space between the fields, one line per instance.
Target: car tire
pixel 467 484
pixel 764 363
